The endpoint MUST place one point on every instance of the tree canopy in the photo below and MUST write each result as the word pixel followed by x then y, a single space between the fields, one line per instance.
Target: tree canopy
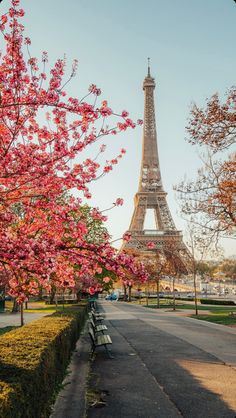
pixel 43 235
pixel 210 199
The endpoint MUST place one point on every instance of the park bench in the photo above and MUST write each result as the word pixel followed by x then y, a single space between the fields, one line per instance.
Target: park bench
pixel 96 318
pixel 232 313
pixel 96 315
pixel 100 340
pixel 97 328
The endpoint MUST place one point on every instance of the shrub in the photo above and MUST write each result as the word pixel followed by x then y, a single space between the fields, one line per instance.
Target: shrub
pixel 217 302
pixel 33 360
pixel 179 298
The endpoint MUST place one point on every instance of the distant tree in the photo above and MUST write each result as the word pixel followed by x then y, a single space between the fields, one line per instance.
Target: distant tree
pixel 203 268
pixel 228 267
pixel 157 265
pixel 211 198
pixel 177 264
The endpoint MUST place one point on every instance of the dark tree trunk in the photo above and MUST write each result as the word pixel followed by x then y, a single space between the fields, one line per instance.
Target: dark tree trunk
pixel 21 314
pixel 125 293
pixel 158 296
pixel 174 305
pixel 15 307
pixel 40 295
pixel 129 293
pixel 52 295
pixel 195 291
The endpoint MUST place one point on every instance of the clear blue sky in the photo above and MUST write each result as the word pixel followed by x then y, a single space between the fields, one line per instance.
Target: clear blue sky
pixel 192 48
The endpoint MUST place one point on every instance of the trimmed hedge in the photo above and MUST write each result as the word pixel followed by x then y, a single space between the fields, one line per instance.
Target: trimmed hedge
pixel 177 298
pixel 216 302
pixel 33 360
pixel 183 298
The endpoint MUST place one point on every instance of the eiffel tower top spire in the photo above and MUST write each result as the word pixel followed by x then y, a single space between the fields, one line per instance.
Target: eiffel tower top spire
pixel 149 75
pixel 150 176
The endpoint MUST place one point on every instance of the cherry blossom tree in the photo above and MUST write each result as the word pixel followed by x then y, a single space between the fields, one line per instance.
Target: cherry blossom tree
pixel 41 238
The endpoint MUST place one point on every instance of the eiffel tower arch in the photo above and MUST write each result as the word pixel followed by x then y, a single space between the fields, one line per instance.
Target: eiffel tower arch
pixel 151 194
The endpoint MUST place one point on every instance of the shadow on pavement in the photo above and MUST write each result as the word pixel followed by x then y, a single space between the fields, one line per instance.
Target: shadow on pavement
pixel 157 375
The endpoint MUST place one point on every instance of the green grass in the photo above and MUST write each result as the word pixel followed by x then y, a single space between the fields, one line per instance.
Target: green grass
pixel 217 314
pixel 49 308
pixel 223 319
pixel 214 309
pixel 6 329
pixel 39 307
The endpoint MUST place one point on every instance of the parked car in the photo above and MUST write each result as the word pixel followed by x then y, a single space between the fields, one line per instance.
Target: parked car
pixel 113 296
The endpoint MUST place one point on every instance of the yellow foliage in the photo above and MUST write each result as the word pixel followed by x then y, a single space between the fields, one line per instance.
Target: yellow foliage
pixel 33 360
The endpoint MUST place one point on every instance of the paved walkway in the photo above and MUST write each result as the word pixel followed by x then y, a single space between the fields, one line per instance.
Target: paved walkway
pixel 164 366
pixel 13 319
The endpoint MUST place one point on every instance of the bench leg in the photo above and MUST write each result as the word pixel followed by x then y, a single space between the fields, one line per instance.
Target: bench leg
pixel 109 353
pixel 93 351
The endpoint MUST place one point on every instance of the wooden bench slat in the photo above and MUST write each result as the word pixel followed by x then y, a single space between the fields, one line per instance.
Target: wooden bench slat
pixel 103 339
pixel 97 328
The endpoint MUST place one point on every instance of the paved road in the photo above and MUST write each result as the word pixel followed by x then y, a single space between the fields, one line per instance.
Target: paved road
pixel 165 366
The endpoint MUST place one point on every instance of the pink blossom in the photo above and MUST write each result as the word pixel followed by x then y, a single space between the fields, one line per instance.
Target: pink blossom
pixel 94 90
pixel 114 161
pixel 119 202
pixel 91 290
pixel 127 236
pixel 151 245
pixel 102 148
pixel 15 3
pixel 107 168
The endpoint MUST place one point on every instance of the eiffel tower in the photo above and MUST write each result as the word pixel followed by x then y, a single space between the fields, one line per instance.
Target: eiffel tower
pixel 151 194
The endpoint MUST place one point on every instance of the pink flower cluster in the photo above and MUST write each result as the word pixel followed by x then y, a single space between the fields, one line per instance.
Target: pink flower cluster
pixel 150 245
pixel 49 237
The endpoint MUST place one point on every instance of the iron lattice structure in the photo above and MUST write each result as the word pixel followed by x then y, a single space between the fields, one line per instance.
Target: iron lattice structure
pixel 151 194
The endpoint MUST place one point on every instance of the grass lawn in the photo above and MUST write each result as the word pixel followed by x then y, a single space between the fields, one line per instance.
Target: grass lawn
pixel 39 307
pixel 217 314
pixel 223 318
pixel 212 308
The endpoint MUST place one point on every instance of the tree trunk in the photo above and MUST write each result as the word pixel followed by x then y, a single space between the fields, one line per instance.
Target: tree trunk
pixel 174 306
pixel 129 293
pixel 158 296
pixel 21 314
pixel 40 295
pixel 52 295
pixel 125 293
pixel 15 307
pixel 147 294
pixel 195 290
pixel 139 297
